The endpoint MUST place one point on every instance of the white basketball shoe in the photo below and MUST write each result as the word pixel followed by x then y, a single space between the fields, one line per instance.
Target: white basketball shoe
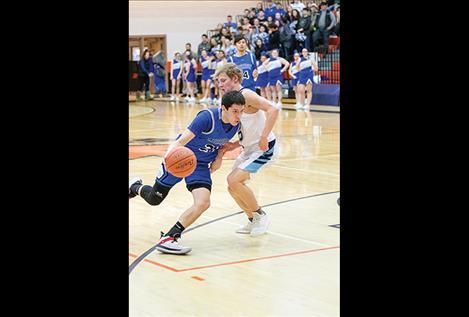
pixel 171 245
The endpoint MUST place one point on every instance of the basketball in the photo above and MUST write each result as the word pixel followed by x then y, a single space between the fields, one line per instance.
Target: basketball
pixel 180 162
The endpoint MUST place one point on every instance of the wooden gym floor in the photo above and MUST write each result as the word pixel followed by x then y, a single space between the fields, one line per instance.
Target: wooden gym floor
pixel 293 270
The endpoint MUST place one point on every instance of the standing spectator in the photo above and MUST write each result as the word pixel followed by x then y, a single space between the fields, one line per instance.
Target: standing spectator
pixel 286 40
pixel 145 71
pixel 230 25
pixel 337 26
pixel 259 48
pixel 228 47
pixel 189 49
pixel 214 45
pixel 298 5
pixel 280 8
pixel 251 16
pixel 263 35
pixel 324 23
pixel 303 27
pixel 274 37
pixel 204 45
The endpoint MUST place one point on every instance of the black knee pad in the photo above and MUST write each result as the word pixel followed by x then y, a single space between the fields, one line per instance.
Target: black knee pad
pixel 157 194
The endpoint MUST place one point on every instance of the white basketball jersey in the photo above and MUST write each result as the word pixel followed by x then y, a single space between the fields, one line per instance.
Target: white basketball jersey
pixel 252 125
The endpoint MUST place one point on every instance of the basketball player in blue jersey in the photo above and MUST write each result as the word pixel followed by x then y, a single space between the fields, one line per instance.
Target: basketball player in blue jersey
pixel 176 74
pixel 306 67
pixel 258 142
pixel 246 61
pixel 275 75
pixel 208 132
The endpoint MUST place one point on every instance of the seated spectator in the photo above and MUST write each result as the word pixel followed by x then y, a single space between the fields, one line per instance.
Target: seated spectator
pixel 251 16
pixel 214 45
pixel 270 10
pixel 189 49
pixel 261 16
pixel 263 35
pixel 280 8
pixel 259 7
pixel 230 25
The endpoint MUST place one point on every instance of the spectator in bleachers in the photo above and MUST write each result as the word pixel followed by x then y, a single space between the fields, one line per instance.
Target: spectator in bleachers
pixel 255 26
pixel 189 49
pixel 288 15
pixel 263 35
pixel 259 47
pixel 274 37
pixel 259 7
pixel 245 31
pixel 280 9
pixel 145 71
pixel 337 26
pixel 303 27
pixel 204 45
pixel 228 47
pixel 323 24
pixel 225 32
pixel 214 45
pixel 298 5
pixel 286 40
pixel 230 25
pixel 261 16
pixel 270 9
pixel 175 76
pixel 279 18
pixel 251 16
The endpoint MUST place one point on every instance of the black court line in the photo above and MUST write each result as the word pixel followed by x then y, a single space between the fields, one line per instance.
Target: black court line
pixel 141 257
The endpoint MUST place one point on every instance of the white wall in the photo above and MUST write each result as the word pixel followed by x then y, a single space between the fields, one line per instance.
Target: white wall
pixel 182 21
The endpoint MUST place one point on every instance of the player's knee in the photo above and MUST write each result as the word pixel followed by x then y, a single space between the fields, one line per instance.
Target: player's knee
pixel 154 199
pixel 233 182
pixel 202 205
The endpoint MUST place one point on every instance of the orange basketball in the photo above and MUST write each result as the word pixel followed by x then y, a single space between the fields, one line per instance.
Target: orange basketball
pixel 180 162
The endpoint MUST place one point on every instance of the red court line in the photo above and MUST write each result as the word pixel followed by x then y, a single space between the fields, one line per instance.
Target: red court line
pixel 235 262
pixel 198 278
pixel 156 263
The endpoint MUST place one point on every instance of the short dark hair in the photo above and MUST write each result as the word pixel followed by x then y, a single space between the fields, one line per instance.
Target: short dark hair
pixel 238 38
pixel 205 35
pixel 232 97
pixel 189 44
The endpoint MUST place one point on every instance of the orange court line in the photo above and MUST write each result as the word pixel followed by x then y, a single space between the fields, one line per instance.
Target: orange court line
pixel 198 278
pixel 235 262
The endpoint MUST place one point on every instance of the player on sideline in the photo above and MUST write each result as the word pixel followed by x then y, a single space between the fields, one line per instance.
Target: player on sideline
pixel 246 61
pixel 208 132
pixel 258 141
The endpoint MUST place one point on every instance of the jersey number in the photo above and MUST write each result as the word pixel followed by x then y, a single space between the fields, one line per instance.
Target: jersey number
pixel 208 148
pixel 240 135
pixel 246 75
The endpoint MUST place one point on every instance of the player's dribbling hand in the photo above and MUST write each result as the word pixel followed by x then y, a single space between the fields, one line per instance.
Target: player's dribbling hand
pixel 263 144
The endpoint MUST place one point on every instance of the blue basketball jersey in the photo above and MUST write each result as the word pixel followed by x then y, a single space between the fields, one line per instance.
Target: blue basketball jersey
pixel 205 145
pixel 247 63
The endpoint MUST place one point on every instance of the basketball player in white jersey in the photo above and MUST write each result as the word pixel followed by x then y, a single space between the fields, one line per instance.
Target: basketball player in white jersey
pixel 258 142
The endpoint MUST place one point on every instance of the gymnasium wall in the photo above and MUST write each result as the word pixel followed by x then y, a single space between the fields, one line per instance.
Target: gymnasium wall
pixel 182 21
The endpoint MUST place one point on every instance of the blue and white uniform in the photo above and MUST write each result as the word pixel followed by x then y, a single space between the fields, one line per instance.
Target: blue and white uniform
pixel 191 75
pixel 294 71
pixel 262 79
pixel 210 134
pixel 306 72
pixel 176 68
pixel 247 63
pixel 252 158
pixel 273 68
pixel 206 72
